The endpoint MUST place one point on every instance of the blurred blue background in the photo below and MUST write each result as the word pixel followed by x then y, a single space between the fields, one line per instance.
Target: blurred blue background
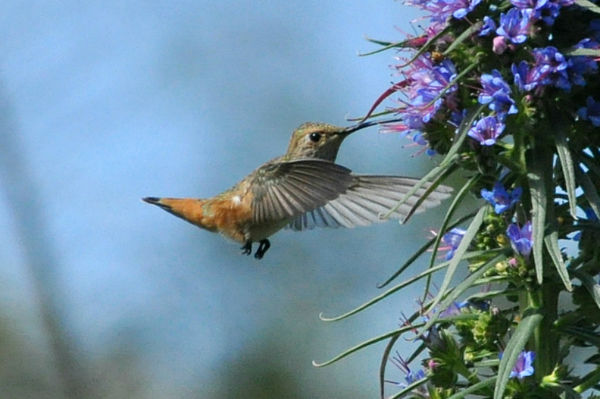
pixel 105 102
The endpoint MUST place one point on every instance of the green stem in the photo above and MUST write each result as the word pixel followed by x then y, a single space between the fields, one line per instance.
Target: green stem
pixel 545 339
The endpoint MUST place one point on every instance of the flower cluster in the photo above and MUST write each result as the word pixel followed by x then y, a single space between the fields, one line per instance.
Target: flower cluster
pixel 507 93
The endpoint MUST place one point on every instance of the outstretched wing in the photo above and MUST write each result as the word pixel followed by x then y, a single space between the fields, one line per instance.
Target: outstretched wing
pixel 365 199
pixel 285 190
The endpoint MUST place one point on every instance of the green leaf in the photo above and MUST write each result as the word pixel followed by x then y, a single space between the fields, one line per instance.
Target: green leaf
pixel 410 388
pixel 452 295
pixel 446 163
pixel 551 241
pixel 590 285
pixel 420 251
pixel 458 199
pixel 429 190
pixel 588 5
pixel 583 334
pixel 513 348
pixel 384 361
pixel 587 52
pixel 458 257
pixel 566 161
pixel 463 36
pixel 365 344
pixel 386 293
pixel 589 191
pixel 425 47
pixel 537 188
pixel 474 388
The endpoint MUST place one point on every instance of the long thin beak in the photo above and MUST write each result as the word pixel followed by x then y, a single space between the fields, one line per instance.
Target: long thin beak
pixel 362 125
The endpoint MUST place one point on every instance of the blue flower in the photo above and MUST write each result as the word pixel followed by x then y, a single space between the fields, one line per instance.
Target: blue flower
pixel 454 309
pixel 524 366
pixel 487 130
pixel 488 27
pixel 520 238
pixel 496 92
pixel 551 66
pixel 526 78
pixel 409 376
pixel 500 198
pixel 515 24
pixel 452 240
pixel 591 111
pixel 533 4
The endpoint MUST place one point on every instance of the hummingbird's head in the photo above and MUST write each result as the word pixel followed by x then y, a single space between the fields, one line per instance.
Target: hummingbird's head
pixel 316 140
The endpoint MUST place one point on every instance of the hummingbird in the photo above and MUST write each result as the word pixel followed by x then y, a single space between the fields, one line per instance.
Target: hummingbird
pixel 300 190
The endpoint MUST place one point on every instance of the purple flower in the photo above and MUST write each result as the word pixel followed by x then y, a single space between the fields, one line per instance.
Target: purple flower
pixel 524 366
pixel 440 10
pixel 496 92
pixel 452 240
pixel 520 238
pixel 500 198
pixel 488 27
pixel 426 82
pixel 551 66
pixel 515 24
pixel 591 111
pixel 487 130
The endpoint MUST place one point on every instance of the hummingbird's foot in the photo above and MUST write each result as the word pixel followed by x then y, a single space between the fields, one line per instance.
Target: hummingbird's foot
pixel 247 248
pixel 263 247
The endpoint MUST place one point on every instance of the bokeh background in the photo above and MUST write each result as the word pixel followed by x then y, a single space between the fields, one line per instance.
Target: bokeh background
pixel 105 102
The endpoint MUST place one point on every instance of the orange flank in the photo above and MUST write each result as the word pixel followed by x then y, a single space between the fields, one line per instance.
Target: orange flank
pixel 219 214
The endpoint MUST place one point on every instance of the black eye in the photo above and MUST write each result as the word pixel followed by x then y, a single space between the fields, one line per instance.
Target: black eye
pixel 314 137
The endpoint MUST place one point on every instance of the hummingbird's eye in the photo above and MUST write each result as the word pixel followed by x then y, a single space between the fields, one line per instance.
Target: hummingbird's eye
pixel 314 137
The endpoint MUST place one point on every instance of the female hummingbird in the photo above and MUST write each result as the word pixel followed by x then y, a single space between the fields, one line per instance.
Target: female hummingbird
pixel 301 190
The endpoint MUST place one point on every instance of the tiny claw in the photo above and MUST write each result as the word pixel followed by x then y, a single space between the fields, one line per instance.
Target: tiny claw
pixel 247 248
pixel 263 247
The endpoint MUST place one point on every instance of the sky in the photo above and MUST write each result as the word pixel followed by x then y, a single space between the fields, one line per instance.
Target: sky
pixel 112 101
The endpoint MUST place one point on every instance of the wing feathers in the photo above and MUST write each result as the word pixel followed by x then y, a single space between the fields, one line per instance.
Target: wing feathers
pixel 285 190
pixel 366 199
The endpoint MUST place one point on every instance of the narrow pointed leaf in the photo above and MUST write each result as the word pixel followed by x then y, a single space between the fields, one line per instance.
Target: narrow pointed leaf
pixel 458 199
pixel 458 256
pixel 566 161
pixel 410 388
pixel 589 190
pixel 516 344
pixel 452 295
pixel 537 188
pixel 423 249
pixel 386 293
pixel 551 241
pixel 588 52
pixel 474 388
pixel 466 34
pixel 588 5
pixel 433 186
pixel 364 344
pixel 449 159
pixel 384 361
pixel 590 285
